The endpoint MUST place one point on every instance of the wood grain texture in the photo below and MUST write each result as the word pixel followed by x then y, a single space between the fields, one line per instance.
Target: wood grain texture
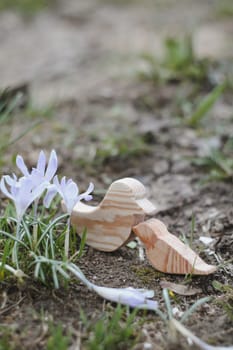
pixel 167 253
pixel 109 225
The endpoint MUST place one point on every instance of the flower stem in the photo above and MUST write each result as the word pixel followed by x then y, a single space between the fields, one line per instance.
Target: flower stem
pixel 197 341
pixel 17 273
pixel 79 274
pixel 15 253
pixel 67 239
pixel 35 225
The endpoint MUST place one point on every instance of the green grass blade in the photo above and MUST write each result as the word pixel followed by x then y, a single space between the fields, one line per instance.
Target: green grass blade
pixel 6 253
pixel 11 142
pixel 161 314
pixel 220 161
pixel 13 238
pixel 188 312
pixel 48 228
pixel 42 275
pixel 205 105
pixel 57 341
pixel 193 222
pixel 63 273
pixel 9 109
pixel 37 270
pixel 168 303
pixel 46 254
pixel 82 243
pixel 51 244
pixel 55 278
pixel 29 237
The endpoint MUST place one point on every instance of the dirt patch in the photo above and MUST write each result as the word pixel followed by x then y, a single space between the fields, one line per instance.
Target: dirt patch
pixel 105 123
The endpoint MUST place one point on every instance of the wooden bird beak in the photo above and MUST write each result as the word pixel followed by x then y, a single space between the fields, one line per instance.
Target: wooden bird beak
pixel 146 205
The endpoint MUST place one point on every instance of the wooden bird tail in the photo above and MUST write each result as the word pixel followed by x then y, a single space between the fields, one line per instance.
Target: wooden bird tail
pixel 167 253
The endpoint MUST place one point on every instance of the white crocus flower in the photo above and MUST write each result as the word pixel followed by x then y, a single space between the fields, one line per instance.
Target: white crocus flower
pixel 139 298
pixel 41 173
pixel 69 192
pixel 21 191
pixel 135 298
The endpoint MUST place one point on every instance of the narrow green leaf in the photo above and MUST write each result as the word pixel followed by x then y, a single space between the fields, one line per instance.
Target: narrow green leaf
pixel 168 303
pixel 55 278
pixel 11 142
pixel 205 105
pixel 51 244
pixel 27 233
pixel 198 303
pixel 82 243
pixel 48 228
pixel 37 270
pixel 12 105
pixel 14 238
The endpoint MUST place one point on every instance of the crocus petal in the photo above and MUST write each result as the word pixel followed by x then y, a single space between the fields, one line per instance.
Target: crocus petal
pixel 71 190
pixel 69 204
pixel 4 189
pixel 15 191
pixel 10 181
pixel 86 195
pixel 51 193
pixel 37 192
pixel 63 182
pixel 56 181
pixel 52 166
pixel 37 177
pixel 21 206
pixel 126 296
pixel 90 187
pixel 41 162
pixel 26 195
pixel 148 293
pixel 22 197
pixel 21 165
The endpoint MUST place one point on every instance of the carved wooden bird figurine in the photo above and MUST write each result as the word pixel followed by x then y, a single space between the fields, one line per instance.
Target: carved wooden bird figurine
pixel 167 253
pixel 109 225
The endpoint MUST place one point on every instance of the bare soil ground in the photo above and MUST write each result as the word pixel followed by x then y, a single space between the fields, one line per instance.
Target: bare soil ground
pixel 79 63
